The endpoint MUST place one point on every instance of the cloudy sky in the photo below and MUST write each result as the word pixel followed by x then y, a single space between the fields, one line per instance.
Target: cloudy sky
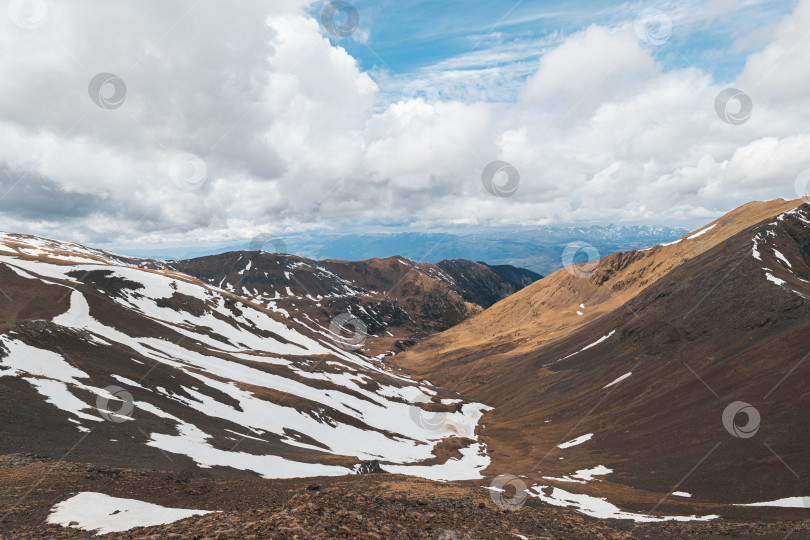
pixel 153 123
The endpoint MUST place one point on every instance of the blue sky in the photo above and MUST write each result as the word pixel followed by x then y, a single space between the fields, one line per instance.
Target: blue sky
pixel 402 41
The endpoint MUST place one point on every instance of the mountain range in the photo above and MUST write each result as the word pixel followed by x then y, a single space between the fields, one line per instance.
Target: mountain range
pixel 537 249
pixel 645 387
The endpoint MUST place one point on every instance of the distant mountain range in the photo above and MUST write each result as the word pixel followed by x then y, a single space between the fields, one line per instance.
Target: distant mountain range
pixel 537 249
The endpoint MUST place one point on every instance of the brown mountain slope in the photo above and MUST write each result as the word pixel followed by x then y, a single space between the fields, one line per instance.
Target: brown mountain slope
pixel 547 311
pixel 669 338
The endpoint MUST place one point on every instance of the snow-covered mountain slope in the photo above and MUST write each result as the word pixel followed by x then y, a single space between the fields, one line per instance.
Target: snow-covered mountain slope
pixel 123 361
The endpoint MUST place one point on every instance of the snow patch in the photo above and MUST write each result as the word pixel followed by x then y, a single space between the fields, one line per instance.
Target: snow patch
pixel 104 514
pixel 789 502
pixel 599 507
pixel 574 442
pixel 583 476
pixel 704 231
pixel 782 258
pixel 773 279
pixel 598 341
pixel 618 380
pixel 594 344
pixel 588 474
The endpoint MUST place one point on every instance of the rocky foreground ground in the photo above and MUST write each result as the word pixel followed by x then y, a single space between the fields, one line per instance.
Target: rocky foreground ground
pixel 374 506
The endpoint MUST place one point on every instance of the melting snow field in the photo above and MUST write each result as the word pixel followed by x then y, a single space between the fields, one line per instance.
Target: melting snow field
pixel 104 514
pixel 599 507
pixel 474 458
pixel 383 429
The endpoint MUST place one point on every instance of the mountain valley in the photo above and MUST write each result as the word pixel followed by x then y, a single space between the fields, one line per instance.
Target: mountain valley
pixel 604 400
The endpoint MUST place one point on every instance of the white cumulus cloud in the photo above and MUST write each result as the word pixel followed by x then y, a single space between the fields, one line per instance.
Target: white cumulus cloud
pixel 292 133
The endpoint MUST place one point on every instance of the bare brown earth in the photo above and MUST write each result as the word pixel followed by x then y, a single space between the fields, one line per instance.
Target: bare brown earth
pixel 698 325
pixel 376 506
